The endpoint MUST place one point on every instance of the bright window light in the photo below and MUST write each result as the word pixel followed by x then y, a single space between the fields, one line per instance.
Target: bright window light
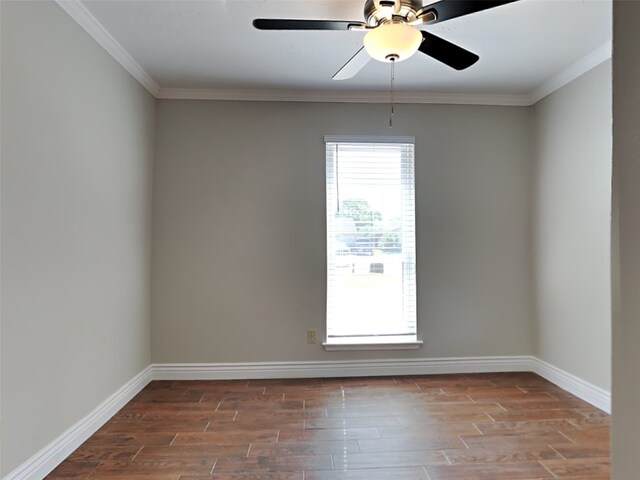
pixel 371 258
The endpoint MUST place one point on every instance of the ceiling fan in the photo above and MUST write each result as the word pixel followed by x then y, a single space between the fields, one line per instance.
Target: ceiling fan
pixel 392 31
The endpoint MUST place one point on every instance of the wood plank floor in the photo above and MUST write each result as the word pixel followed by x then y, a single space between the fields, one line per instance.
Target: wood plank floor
pixel 441 427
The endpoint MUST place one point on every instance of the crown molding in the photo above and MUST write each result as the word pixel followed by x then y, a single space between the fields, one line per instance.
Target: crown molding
pixel 100 34
pixel 582 66
pixel 258 95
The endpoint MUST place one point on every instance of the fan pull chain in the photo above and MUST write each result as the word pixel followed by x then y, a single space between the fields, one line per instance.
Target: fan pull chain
pixel 393 78
pixel 337 154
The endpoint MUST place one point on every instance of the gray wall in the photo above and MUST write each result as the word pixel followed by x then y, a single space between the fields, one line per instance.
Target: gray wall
pixel 238 268
pixel 571 224
pixel 77 147
pixel 626 278
pixel 238 258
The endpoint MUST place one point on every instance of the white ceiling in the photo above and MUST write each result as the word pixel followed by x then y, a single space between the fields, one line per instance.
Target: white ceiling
pixel 212 45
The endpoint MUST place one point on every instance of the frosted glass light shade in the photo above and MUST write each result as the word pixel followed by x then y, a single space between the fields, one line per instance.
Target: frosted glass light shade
pixel 392 41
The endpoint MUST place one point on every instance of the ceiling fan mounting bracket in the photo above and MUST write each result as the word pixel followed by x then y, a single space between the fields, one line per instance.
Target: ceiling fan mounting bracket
pixel 378 12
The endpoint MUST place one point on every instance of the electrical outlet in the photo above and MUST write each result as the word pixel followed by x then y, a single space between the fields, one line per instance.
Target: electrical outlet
pixel 311 336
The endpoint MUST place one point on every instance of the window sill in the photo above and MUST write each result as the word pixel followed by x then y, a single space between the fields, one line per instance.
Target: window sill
pixel 372 343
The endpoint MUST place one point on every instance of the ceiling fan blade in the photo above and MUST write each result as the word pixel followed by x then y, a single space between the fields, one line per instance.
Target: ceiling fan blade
pixel 448 9
pixel 446 52
pixel 353 65
pixel 289 24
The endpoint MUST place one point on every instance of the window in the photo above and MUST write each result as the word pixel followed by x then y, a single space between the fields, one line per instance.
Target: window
pixel 371 256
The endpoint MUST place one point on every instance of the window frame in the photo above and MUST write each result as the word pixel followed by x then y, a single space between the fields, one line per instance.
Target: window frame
pixel 370 343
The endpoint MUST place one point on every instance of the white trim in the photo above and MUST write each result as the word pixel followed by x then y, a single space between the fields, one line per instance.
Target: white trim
pixel 43 462
pixel 339 368
pixel 573 71
pixel 587 391
pixel 422 366
pixel 332 347
pixel 100 34
pixel 356 96
pixel 582 66
pixel 367 139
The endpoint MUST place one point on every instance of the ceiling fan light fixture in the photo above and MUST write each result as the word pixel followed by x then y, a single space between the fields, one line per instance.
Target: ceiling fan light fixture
pixel 392 42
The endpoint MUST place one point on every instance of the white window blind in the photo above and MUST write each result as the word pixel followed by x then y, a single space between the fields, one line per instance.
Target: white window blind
pixel 371 258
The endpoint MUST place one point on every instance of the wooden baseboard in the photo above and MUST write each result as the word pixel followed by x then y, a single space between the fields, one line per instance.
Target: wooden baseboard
pixel 339 368
pixel 48 458
pixel 44 461
pixel 596 396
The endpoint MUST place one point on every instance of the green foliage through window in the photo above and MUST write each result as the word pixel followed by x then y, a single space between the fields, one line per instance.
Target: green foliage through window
pixel 360 211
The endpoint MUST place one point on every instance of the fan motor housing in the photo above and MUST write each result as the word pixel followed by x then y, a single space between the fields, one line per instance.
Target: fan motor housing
pixel 378 12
